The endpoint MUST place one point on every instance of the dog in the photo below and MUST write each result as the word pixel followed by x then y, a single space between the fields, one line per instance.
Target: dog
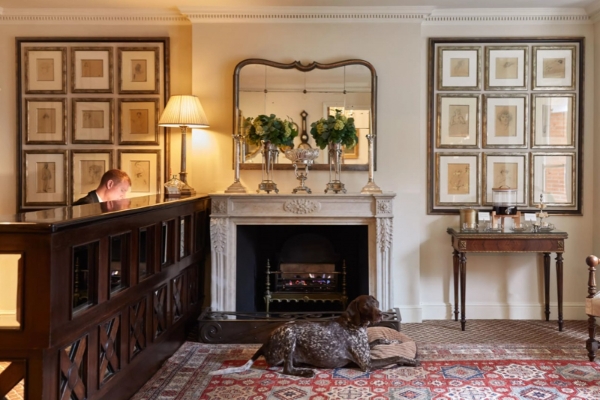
pixel 329 344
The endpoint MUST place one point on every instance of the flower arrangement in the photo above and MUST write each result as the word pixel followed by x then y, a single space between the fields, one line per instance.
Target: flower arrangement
pixel 334 129
pixel 271 129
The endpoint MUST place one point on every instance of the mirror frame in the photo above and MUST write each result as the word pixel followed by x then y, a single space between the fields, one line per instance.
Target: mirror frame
pixel 306 68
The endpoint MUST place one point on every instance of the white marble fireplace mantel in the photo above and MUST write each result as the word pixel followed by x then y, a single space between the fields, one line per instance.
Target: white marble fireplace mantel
pixel 230 210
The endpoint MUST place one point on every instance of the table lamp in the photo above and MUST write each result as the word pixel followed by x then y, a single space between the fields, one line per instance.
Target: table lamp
pixel 184 111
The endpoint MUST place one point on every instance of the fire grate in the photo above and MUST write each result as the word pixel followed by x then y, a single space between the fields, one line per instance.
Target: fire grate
pixel 306 282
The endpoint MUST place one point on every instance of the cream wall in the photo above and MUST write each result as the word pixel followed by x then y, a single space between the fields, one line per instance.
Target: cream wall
pixel 180 38
pixel 507 286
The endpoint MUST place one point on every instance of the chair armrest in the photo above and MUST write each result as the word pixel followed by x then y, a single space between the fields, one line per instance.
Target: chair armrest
pixel 592 262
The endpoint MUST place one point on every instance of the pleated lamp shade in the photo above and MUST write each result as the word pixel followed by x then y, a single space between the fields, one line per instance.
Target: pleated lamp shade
pixel 184 110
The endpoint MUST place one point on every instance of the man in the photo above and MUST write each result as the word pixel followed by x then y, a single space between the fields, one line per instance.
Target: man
pixel 114 184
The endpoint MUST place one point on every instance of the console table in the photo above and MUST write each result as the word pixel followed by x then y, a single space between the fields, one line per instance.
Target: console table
pixel 507 242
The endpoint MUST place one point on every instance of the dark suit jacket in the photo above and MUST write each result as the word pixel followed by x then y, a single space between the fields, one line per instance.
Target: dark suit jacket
pixel 91 197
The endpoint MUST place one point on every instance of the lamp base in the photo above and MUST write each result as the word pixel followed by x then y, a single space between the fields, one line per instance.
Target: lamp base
pixel 370 188
pixel 187 190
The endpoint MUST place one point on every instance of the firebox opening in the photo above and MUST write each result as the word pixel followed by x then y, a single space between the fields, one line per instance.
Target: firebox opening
pixel 304 246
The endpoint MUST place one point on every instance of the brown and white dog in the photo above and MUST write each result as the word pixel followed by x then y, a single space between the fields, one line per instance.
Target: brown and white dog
pixel 330 344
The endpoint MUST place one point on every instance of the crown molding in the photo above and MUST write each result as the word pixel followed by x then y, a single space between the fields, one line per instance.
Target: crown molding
pixel 305 14
pixel 108 16
pixel 285 14
pixel 508 16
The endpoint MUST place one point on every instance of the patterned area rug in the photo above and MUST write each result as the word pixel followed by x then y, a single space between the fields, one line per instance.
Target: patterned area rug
pixel 477 372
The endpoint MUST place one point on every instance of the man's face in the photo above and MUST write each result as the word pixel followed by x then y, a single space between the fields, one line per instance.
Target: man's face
pixel 116 191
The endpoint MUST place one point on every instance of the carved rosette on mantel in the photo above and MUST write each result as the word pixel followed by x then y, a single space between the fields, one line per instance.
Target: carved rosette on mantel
pixel 230 210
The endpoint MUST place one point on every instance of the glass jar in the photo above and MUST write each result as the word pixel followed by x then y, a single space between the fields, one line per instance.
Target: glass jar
pixel 504 201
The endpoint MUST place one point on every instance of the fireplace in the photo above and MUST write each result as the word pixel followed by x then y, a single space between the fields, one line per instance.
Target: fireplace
pixel 249 229
pixel 300 267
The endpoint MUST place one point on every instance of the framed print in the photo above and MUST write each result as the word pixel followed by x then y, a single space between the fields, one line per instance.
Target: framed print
pixel 527 110
pixel 46 121
pixel 457 179
pixel 553 122
pixel 87 168
pixel 458 67
pixel 553 67
pixel 506 67
pixel 45 180
pixel 505 121
pixel 93 121
pixel 45 70
pixel 505 171
pixel 138 121
pixel 143 167
pixel 457 121
pixel 138 70
pixel 553 178
pixel 91 69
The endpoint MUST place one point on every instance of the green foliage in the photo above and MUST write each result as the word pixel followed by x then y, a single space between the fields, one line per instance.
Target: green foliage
pixel 272 129
pixel 334 129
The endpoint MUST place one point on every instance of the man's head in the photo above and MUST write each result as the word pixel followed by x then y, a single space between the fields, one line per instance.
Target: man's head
pixel 113 185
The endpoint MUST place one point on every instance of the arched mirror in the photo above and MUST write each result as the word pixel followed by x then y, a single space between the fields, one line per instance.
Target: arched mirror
pixel 289 90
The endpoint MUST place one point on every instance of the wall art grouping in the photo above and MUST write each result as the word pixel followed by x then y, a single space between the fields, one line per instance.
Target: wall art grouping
pixel 505 113
pixel 86 105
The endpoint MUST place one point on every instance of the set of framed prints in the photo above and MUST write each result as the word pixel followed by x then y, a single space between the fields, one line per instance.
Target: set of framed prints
pixel 505 113
pixel 86 105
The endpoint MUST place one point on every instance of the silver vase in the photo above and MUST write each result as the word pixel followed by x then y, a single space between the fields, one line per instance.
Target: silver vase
pixel 302 158
pixel 269 156
pixel 335 168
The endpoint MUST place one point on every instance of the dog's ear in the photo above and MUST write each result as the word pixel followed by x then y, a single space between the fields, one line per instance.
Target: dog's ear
pixel 353 312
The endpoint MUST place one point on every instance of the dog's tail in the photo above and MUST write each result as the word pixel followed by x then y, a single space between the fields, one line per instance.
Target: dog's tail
pixel 243 368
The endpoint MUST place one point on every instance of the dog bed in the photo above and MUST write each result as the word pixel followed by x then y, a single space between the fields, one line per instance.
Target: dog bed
pixel 404 346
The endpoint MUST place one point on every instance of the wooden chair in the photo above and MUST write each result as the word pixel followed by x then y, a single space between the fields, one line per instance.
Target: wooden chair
pixel 592 307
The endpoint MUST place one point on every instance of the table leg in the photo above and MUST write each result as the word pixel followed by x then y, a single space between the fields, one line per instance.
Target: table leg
pixel 559 283
pixel 455 272
pixel 547 285
pixel 462 266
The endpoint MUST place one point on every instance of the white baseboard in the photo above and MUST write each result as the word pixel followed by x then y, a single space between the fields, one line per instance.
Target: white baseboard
pixel 571 311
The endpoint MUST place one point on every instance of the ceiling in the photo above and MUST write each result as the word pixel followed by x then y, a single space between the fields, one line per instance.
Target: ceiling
pixel 174 4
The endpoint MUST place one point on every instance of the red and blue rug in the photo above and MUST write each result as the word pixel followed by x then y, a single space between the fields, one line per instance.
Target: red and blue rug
pixel 476 372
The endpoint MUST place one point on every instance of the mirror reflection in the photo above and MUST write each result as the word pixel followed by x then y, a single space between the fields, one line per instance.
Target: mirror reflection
pixel 286 90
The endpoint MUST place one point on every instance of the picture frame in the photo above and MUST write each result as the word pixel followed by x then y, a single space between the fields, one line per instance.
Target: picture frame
pixel 505 170
pixel 457 179
pixel 92 70
pixel 553 67
pixel 505 121
pixel 138 70
pixel 46 121
pixel 457 121
pixel 553 120
pixel 138 121
pixel 93 120
pixel 87 168
pixel 459 67
pixel 143 167
pixel 351 154
pixel 45 182
pixel 554 178
pixel 506 67
pixel 535 82
pixel 45 70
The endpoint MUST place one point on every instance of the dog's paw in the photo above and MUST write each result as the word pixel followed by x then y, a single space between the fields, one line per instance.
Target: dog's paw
pixel 306 373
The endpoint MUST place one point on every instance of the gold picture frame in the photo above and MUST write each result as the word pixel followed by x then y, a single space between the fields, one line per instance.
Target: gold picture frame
pixel 92 69
pixel 506 67
pixel 46 121
pixel 554 67
pixel 45 70
pixel 457 121
pixel 93 121
pixel 505 120
pixel 457 179
pixel 139 70
pixel 553 120
pixel 45 182
pixel 459 67
pixel 138 121
pixel 507 170
pixel 143 167
pixel 87 167
pixel 553 176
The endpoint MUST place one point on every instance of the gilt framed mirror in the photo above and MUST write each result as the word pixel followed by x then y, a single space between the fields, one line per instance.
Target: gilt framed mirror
pixel 287 90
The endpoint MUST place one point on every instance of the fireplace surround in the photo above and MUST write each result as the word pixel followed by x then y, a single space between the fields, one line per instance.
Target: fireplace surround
pixel 230 211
